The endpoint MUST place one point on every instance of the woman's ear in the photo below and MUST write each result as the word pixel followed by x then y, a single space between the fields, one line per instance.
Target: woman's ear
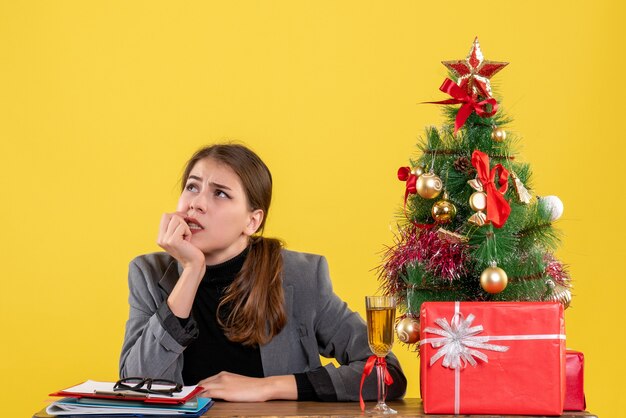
pixel 256 218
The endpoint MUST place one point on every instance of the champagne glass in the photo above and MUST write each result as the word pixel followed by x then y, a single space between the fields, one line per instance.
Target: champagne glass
pixel 381 315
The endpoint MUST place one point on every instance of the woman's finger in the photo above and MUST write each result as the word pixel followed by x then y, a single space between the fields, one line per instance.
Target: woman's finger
pixel 182 231
pixel 210 379
pixel 175 221
pixel 204 394
pixel 214 393
pixel 165 220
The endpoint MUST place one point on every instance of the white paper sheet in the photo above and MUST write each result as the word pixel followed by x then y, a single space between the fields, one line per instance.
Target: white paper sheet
pixel 91 386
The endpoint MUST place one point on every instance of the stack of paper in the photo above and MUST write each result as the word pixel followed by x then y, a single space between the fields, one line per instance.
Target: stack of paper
pixel 98 398
pixel 86 406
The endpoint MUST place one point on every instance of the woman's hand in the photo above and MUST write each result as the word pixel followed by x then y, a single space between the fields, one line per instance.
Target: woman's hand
pixel 237 388
pixel 175 238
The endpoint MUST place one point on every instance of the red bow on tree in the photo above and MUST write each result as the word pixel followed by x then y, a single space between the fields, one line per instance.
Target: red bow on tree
pixel 498 209
pixel 369 366
pixel 404 174
pixel 469 103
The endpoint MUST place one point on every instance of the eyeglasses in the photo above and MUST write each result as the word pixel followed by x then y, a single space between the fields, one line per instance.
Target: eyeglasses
pixel 145 385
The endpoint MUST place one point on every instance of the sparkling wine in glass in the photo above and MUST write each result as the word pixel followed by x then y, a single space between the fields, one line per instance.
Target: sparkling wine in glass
pixel 381 315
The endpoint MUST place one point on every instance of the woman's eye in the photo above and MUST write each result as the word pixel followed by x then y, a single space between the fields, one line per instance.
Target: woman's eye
pixel 221 193
pixel 191 187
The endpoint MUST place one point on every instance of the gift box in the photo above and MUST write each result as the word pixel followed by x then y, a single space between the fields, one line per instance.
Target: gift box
pixel 492 358
pixel 574 381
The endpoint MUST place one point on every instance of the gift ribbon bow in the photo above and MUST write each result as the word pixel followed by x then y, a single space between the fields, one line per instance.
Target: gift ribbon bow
pixel 469 103
pixel 404 174
pixel 498 209
pixel 458 342
pixel 369 366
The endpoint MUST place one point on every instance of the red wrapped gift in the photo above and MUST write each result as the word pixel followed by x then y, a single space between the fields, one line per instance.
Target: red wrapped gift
pixel 574 381
pixel 492 358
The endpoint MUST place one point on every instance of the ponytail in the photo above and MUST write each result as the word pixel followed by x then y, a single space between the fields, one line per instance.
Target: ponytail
pixel 255 300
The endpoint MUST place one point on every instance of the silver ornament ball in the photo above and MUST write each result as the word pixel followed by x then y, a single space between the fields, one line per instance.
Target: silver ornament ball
pixel 553 205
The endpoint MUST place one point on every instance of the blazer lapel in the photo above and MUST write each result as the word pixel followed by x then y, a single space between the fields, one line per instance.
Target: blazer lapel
pixel 170 277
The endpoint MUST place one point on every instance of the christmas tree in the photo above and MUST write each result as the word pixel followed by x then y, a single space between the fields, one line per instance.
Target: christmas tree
pixel 471 228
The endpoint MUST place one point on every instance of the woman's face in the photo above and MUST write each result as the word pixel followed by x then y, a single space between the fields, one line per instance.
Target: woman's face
pixel 217 211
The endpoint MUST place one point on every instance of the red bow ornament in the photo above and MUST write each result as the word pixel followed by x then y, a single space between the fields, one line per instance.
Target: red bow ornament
pixel 498 208
pixel 469 103
pixel 405 174
pixel 369 366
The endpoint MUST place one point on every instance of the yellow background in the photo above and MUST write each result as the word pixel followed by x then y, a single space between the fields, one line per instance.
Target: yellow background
pixel 101 102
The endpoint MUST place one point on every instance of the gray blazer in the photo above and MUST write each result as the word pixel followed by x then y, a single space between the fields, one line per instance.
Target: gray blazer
pixel 318 323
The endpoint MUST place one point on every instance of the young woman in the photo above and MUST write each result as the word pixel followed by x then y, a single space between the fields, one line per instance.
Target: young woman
pixel 234 312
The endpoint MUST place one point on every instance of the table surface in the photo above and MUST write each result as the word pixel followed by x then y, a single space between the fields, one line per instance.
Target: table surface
pixel 406 408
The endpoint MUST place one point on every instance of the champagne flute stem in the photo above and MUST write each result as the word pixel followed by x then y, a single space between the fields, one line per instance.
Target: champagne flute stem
pixel 380 377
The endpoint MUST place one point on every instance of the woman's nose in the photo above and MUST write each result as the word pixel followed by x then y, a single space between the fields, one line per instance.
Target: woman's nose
pixel 198 204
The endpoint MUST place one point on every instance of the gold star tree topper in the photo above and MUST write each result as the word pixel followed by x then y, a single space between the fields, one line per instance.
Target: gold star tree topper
pixel 474 72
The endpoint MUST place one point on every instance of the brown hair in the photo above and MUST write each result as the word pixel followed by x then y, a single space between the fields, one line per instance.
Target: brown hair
pixel 255 298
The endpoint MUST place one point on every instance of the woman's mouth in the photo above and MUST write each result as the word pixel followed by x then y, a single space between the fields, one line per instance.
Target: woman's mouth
pixel 194 226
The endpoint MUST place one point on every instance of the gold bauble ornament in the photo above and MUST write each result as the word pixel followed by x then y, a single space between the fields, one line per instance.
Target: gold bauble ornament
pixel 498 134
pixel 558 292
pixel 478 201
pixel 418 171
pixel 563 294
pixel 408 330
pixel 493 279
pixel 428 185
pixel 443 211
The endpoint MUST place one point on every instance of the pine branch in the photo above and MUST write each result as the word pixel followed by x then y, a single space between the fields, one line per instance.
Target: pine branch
pixel 538 230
